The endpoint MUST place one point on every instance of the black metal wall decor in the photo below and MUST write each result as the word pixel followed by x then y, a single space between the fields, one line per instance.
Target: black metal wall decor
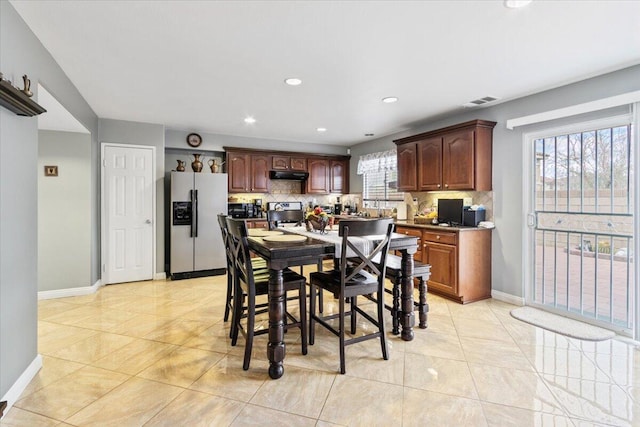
pixel 17 100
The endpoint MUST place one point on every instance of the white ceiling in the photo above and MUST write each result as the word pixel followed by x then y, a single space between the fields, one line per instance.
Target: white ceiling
pixel 204 66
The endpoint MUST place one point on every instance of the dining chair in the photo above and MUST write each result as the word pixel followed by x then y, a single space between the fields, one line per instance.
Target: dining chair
pixel 250 283
pixel 278 217
pixel 258 263
pixel 355 274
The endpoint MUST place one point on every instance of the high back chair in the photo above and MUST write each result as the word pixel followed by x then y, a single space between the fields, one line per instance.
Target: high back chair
pixel 258 263
pixel 356 273
pixel 249 283
pixel 275 217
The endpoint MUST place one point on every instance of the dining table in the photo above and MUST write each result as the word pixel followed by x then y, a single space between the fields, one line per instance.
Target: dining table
pixel 313 249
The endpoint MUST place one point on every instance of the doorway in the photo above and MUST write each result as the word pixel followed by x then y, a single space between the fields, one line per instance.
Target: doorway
pixel 581 222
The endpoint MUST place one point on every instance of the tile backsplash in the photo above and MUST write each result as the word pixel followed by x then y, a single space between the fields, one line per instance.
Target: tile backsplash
pixel 428 201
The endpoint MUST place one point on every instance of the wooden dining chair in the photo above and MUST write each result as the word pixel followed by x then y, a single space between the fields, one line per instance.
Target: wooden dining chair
pixel 356 274
pixel 258 264
pixel 250 283
pixel 278 217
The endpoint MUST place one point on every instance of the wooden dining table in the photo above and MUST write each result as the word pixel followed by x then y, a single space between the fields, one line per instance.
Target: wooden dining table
pixel 280 255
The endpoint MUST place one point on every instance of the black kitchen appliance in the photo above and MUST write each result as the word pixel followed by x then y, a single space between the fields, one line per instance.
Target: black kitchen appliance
pixel 337 208
pixel 243 210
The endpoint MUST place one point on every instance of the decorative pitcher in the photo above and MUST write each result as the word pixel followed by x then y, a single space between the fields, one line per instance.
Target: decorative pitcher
pixel 196 165
pixel 180 167
pixel 213 165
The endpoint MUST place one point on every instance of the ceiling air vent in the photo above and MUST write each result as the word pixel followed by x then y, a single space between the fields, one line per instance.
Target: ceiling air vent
pixel 480 101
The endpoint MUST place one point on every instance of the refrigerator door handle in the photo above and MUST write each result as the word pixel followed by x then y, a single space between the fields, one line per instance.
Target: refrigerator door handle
pixel 196 212
pixel 192 212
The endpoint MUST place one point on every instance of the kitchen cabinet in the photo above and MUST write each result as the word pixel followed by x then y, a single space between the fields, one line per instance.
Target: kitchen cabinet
pixel 319 176
pixel 460 260
pixel 454 158
pixel 289 163
pixel 248 173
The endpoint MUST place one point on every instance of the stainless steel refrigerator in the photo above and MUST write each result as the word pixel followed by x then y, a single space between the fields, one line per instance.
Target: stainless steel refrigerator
pixel 196 241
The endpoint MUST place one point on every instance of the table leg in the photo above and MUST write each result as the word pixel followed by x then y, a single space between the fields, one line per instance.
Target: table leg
pixel 276 347
pixel 407 318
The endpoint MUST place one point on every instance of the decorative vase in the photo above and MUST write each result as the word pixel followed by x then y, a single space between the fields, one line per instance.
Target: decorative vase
pixel 213 165
pixel 196 165
pixel 180 167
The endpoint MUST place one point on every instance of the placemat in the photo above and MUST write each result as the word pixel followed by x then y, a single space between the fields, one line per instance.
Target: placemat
pixel 285 238
pixel 261 232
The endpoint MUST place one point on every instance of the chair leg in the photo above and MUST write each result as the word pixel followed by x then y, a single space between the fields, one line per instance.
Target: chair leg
pixel 354 302
pixel 303 316
pixel 236 316
pixel 383 337
pixel 423 307
pixel 312 312
pixel 320 298
pixel 229 296
pixel 395 311
pixel 341 326
pixel 251 317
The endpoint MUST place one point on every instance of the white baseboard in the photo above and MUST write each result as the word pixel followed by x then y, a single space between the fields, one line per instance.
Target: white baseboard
pixel 511 299
pixel 70 292
pixel 23 381
pixel 160 276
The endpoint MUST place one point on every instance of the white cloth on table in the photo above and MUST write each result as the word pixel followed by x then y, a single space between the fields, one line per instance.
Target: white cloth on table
pixel 364 244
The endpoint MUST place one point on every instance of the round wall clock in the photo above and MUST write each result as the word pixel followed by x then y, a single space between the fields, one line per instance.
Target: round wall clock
pixel 194 140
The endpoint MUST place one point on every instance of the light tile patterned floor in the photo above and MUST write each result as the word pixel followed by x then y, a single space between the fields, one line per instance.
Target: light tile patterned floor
pixel 158 354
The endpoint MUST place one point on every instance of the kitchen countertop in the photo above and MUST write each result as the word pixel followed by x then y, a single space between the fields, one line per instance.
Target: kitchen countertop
pixel 410 223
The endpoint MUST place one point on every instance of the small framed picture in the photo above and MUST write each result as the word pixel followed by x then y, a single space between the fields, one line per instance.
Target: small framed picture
pixel 51 171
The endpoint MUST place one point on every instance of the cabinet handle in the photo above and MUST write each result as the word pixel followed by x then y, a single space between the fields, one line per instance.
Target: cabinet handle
pixel 438 185
pixel 446 186
pixel 438 237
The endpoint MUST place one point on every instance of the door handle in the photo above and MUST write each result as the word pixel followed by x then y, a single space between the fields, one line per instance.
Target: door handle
pixel 196 212
pixel 532 220
pixel 148 221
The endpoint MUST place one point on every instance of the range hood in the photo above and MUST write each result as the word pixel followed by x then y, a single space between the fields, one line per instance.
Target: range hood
pixel 296 176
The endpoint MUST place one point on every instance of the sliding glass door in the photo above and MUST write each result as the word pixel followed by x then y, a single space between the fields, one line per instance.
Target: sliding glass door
pixel 581 222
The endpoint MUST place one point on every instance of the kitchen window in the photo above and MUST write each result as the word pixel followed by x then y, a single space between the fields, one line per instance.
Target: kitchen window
pixel 379 179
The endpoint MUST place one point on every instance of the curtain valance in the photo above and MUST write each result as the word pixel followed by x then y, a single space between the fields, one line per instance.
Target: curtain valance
pixel 377 162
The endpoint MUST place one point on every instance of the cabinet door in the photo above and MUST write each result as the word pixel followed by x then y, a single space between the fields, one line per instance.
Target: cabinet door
pixel 407 167
pixel 280 162
pixel 318 181
pixel 444 267
pixel 458 172
pixel 238 169
pixel 259 174
pixel 338 180
pixel 430 164
pixel 298 163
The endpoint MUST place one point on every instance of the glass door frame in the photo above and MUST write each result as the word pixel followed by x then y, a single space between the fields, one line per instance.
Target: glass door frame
pixel 529 216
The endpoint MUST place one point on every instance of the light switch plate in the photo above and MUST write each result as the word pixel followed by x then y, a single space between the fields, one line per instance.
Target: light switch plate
pixel 467 201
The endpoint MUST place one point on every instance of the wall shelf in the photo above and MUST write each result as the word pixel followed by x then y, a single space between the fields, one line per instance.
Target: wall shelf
pixel 14 100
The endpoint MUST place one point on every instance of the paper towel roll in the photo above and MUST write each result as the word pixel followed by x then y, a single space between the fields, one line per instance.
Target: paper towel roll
pixel 401 211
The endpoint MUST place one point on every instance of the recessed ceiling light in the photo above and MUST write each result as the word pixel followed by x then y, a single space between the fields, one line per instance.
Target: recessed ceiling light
pixel 321 129
pixel 293 81
pixel 389 99
pixel 514 4
pixel 250 120
pixel 368 134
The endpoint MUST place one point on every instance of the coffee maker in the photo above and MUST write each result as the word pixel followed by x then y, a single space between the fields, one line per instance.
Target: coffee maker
pixel 337 208
pixel 257 208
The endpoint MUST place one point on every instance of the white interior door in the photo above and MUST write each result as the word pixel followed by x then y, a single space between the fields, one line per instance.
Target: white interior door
pixel 127 207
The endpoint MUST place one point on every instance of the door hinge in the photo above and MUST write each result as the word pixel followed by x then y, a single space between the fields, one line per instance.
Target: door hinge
pixel 104 268
pixel 104 163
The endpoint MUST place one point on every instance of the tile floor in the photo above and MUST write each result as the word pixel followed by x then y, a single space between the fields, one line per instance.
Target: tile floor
pixel 157 354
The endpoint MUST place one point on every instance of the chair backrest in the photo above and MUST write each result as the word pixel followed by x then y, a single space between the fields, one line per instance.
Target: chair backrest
pixel 353 258
pixel 222 221
pixel 239 245
pixel 274 217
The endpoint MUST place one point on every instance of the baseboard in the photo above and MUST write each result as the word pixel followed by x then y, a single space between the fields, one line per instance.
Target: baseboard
pixel 160 276
pixel 23 381
pixel 70 292
pixel 511 299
